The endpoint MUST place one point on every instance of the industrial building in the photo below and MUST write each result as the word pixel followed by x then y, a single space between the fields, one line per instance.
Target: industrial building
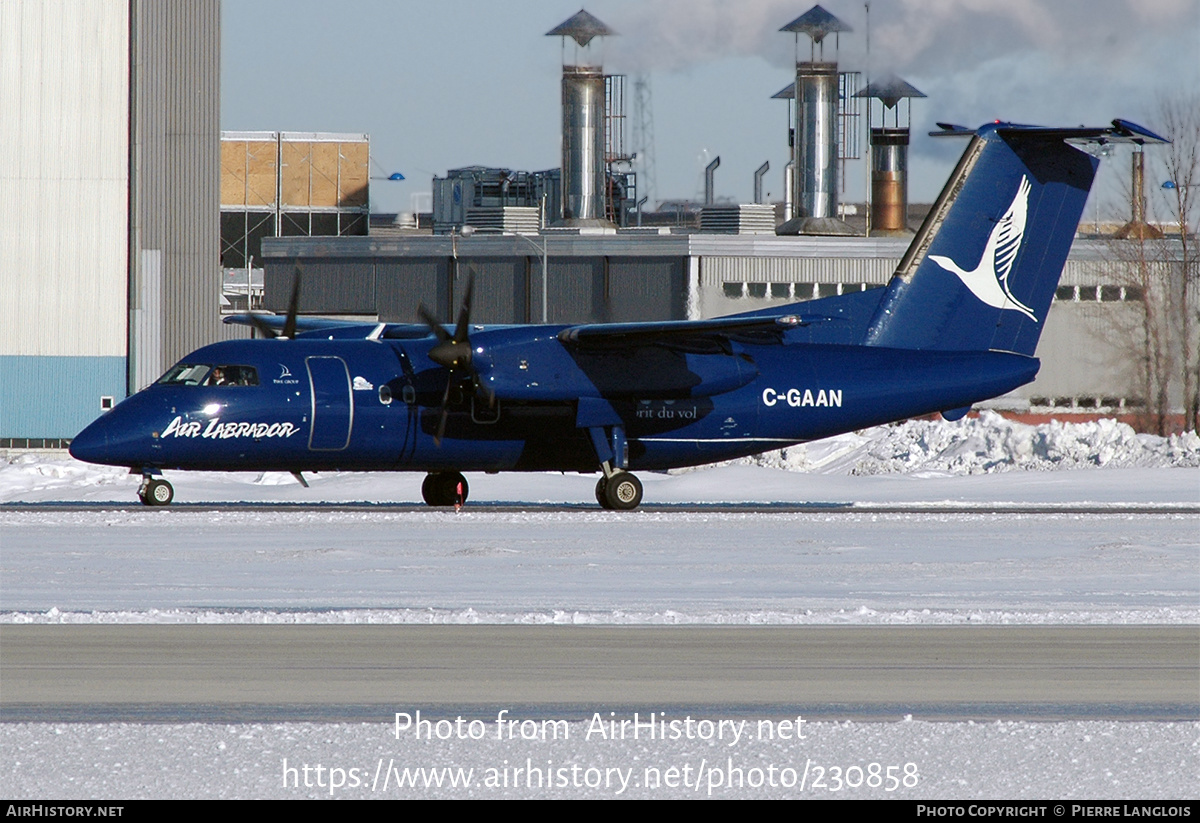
pixel 109 267
pixel 286 184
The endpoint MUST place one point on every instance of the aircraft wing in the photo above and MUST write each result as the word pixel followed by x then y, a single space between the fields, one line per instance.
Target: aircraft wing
pixel 276 322
pixel 335 328
pixel 609 335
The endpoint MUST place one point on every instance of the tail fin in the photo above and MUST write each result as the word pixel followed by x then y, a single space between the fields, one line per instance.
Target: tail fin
pixel 982 270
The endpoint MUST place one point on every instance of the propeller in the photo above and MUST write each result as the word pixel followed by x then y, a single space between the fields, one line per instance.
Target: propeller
pixel 289 324
pixel 453 353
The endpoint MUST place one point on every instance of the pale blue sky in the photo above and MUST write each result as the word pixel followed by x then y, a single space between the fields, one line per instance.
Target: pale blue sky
pixel 463 82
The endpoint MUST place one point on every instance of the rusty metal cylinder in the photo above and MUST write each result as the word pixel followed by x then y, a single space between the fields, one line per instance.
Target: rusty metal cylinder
pixel 1137 176
pixel 816 143
pixel 583 142
pixel 889 180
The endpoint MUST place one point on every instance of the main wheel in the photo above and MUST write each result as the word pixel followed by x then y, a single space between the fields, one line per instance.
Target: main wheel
pixel 623 491
pixel 157 493
pixel 444 489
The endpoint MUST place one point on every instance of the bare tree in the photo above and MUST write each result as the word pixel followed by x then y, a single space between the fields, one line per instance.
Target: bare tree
pixel 1178 117
pixel 1158 270
pixel 1134 270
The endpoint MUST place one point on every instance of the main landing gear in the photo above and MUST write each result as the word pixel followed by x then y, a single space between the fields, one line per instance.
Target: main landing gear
pixel 617 489
pixel 620 491
pixel 445 489
pixel 155 491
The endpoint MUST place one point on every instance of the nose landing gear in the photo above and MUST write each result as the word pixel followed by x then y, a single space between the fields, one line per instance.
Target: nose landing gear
pixel 155 492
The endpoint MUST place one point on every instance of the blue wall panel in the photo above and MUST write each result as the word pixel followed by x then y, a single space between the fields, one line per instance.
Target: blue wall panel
pixel 55 396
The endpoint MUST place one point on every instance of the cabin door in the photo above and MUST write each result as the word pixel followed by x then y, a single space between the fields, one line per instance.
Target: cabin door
pixel 332 413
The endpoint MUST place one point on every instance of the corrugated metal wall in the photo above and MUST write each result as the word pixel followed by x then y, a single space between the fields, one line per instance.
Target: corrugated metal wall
pixel 401 285
pixel 63 193
pixel 394 278
pixel 717 270
pixel 502 286
pixel 643 289
pixel 63 165
pixel 109 241
pixel 54 397
pixel 175 76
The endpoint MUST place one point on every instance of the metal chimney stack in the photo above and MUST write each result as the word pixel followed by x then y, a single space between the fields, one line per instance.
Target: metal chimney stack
pixel 815 143
pixel 889 157
pixel 815 152
pixel 1137 228
pixel 583 129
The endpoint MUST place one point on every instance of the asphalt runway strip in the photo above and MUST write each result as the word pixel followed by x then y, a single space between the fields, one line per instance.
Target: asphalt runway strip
pixel 101 673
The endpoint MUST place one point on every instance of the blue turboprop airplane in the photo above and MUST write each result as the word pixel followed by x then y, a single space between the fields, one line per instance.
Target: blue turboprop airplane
pixel 957 324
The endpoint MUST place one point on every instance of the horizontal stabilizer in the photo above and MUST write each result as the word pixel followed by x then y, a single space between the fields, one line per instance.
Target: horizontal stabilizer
pixel 1121 131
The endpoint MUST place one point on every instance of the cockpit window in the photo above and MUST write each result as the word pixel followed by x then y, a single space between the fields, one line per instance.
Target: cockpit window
pixel 233 376
pixel 205 374
pixel 186 374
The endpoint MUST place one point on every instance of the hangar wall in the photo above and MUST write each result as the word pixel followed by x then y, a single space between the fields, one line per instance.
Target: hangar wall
pixel 108 203
pixel 174 233
pixel 64 75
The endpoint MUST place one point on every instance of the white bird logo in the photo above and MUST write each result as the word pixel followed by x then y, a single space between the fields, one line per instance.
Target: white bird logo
pixel 989 280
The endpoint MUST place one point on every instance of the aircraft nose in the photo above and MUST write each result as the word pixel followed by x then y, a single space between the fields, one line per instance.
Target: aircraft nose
pixel 92 444
pixel 115 438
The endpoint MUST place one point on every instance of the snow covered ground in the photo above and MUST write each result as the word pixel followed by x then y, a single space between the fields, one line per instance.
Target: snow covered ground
pixel 886 464
pixel 551 564
pixel 910 759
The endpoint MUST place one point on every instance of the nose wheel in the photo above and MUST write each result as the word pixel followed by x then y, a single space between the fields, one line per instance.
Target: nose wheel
pixel 445 489
pixel 156 492
pixel 621 491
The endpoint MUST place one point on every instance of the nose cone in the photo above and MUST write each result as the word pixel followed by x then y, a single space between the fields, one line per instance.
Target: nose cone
pixel 116 438
pixel 92 444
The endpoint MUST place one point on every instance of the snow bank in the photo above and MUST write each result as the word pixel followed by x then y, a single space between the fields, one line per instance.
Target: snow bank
pixel 989 443
pixel 35 472
pixel 861 616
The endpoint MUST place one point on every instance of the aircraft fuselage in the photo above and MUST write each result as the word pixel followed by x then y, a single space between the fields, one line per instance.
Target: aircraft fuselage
pixel 355 404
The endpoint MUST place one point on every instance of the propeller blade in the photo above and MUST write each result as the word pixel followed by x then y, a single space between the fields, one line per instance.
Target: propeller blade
pixel 434 324
pixel 462 330
pixel 441 428
pixel 262 328
pixel 289 325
